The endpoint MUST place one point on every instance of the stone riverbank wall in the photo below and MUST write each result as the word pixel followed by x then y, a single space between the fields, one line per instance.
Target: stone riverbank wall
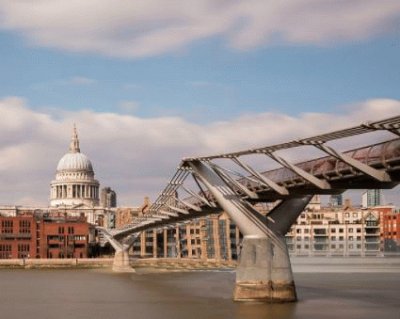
pixel 56 263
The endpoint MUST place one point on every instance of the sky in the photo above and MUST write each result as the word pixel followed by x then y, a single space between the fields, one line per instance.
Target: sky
pixel 148 83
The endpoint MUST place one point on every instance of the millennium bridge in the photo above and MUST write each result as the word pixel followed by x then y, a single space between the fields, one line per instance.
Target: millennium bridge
pixel 233 182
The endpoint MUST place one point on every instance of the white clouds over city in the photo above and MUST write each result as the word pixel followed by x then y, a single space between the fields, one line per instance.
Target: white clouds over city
pixel 131 29
pixel 137 156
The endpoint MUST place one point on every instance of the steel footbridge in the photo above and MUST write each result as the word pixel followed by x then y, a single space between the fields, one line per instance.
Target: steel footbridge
pixel 235 182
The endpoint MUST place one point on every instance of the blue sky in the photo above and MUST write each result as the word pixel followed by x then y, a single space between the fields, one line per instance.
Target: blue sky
pixel 201 62
pixel 207 81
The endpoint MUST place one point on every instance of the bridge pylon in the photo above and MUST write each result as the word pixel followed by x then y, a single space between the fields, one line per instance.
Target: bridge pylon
pixel 264 271
pixel 121 256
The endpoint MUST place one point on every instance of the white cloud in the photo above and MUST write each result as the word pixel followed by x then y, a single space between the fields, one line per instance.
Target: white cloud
pixel 128 106
pixel 81 80
pixel 137 156
pixel 133 28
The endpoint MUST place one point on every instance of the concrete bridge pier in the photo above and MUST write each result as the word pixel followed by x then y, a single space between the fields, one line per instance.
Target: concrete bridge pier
pixel 121 256
pixel 264 272
pixel 121 261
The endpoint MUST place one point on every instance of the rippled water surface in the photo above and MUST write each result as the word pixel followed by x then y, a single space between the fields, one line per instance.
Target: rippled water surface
pixel 100 294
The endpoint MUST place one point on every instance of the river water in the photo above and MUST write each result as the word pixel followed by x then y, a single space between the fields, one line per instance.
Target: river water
pixel 99 294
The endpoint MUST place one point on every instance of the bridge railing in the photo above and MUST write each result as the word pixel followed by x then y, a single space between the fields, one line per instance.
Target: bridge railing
pixel 371 166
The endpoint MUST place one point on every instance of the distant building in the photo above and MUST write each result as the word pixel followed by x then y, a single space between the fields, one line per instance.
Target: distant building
pixel 372 197
pixel 390 228
pixel 108 198
pixel 45 236
pixel 336 200
pixel 327 232
pixel 210 238
pixel 340 231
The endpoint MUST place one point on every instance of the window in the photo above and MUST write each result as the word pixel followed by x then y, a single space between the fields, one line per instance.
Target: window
pixel 23 250
pixel 24 226
pixel 340 230
pixel 350 230
pixel 5 251
pixel 333 230
pixel 7 226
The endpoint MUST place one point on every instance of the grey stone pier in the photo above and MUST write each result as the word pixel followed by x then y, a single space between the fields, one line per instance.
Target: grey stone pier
pixel 121 256
pixel 264 272
pixel 121 262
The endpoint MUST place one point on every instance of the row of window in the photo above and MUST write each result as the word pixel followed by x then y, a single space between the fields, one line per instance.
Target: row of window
pixel 324 230
pixel 332 238
pixel 61 229
pixel 8 225
pixel 333 246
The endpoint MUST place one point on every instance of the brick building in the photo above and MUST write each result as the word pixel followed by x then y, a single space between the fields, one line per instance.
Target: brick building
pixel 44 236
pixel 390 228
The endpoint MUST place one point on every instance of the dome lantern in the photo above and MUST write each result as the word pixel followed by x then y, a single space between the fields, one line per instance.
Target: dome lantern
pixel 74 146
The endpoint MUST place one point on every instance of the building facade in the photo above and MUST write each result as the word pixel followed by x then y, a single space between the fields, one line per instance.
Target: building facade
pixel 372 198
pixel 318 231
pixel 47 235
pixel 390 229
pixel 211 238
pixel 327 232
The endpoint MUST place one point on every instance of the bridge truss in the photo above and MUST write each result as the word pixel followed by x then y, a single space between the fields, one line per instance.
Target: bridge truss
pixel 232 182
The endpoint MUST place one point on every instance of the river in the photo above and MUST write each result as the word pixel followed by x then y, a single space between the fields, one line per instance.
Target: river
pixel 100 294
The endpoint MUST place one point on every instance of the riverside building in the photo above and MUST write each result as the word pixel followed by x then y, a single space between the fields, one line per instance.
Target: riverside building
pixel 45 236
pixel 319 231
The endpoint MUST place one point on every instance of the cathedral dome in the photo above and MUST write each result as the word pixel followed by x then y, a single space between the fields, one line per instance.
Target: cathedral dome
pixel 74 183
pixel 74 162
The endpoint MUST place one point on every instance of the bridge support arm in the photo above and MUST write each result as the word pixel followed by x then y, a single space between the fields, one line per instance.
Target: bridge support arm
pixel 264 271
pixel 121 256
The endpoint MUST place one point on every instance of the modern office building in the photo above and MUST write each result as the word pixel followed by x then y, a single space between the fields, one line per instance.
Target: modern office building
pixel 336 200
pixel 372 197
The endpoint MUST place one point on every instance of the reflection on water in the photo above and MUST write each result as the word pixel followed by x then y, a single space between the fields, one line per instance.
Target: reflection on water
pixel 100 294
